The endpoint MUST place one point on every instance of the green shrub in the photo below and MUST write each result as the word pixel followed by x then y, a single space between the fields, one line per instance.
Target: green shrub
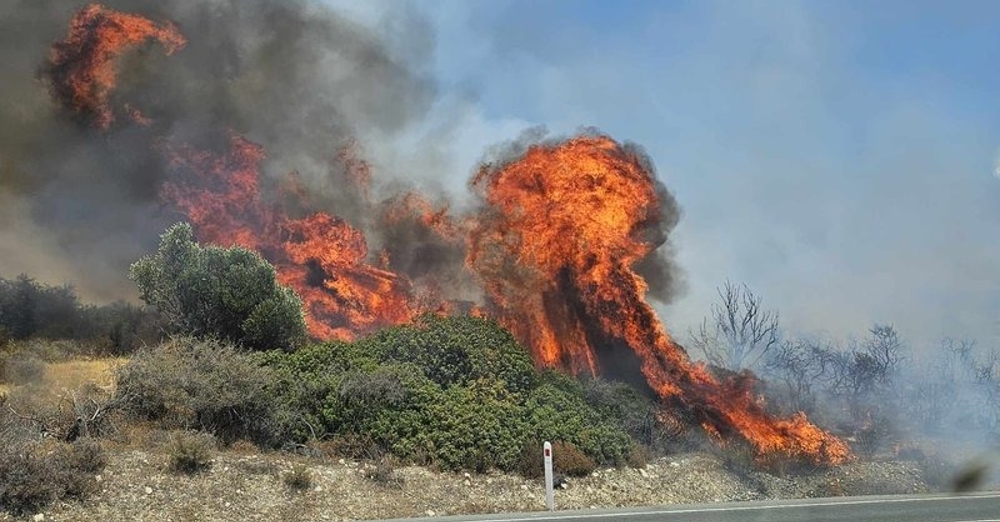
pixel 623 406
pixel 231 293
pixel 191 452
pixel 456 350
pixel 206 385
pixel 454 393
pixel 557 410
pixel 476 427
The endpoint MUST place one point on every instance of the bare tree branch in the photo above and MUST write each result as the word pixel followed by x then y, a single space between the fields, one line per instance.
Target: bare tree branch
pixel 740 333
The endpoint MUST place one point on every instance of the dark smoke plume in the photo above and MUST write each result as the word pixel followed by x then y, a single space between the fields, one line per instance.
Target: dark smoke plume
pixel 289 74
pixel 79 203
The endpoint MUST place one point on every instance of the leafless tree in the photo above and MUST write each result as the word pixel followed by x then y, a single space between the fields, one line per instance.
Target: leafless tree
pixel 740 332
pixel 799 370
pixel 939 392
pixel 871 366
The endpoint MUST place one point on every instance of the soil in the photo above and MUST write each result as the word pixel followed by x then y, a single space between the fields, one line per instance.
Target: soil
pixel 138 485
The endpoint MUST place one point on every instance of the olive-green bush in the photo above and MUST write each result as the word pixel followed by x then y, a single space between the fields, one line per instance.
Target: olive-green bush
pixel 456 393
pixel 228 293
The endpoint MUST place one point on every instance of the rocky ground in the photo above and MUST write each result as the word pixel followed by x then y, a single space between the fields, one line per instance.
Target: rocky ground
pixel 137 485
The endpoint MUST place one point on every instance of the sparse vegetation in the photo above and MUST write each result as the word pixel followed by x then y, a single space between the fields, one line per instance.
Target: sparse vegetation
pixel 384 473
pixel 191 452
pixel 299 479
pixel 35 473
pixel 205 385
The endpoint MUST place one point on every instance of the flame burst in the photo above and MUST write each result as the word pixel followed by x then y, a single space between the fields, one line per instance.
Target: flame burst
pixel 321 256
pixel 566 223
pixel 83 67
pixel 554 247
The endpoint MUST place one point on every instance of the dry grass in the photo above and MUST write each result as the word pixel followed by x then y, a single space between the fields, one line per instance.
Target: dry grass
pixel 79 373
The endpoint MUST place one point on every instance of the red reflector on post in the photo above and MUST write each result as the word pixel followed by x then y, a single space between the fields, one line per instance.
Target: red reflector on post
pixel 547 452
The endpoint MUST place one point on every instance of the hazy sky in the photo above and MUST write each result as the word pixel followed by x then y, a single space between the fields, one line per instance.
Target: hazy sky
pixel 841 158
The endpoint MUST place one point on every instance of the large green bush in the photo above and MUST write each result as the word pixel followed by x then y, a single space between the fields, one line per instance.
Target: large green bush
pixel 456 350
pixel 457 392
pixel 480 426
pixel 230 293
pixel 558 411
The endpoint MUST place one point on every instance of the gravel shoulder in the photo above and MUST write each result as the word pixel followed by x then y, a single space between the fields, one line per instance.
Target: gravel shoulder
pixel 137 486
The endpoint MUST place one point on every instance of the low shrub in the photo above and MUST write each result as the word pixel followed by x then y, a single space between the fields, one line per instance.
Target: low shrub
pixel 739 457
pixel 450 393
pixel 567 459
pixel 20 368
pixel 624 406
pixel 557 410
pixel 208 386
pixel 80 462
pixel 384 473
pixel 639 456
pixel 34 475
pixel 27 482
pixel 352 446
pixel 191 452
pixel 531 460
pixel 298 479
pixel 476 427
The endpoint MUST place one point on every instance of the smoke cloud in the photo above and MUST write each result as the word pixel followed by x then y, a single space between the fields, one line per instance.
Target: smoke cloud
pixel 291 75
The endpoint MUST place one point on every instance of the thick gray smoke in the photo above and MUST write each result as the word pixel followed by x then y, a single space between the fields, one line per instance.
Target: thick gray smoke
pixel 78 204
pixel 288 74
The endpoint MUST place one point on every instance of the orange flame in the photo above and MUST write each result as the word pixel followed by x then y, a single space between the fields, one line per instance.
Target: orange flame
pixel 83 66
pixel 553 247
pixel 321 256
pixel 564 226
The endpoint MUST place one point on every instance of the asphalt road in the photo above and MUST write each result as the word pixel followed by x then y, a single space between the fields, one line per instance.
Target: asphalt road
pixel 976 507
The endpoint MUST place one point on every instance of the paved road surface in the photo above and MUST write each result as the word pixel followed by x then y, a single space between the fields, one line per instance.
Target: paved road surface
pixel 977 507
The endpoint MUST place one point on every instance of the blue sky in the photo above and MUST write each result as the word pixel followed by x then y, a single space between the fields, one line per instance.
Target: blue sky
pixel 838 157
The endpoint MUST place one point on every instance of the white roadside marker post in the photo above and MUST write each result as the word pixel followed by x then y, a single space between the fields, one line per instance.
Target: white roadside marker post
pixel 549 498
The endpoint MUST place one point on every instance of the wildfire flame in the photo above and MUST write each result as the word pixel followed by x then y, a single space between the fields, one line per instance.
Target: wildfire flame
pixel 553 247
pixel 321 256
pixel 564 226
pixel 83 66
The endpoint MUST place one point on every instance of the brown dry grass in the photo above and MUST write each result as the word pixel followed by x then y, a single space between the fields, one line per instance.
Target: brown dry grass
pixel 77 373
